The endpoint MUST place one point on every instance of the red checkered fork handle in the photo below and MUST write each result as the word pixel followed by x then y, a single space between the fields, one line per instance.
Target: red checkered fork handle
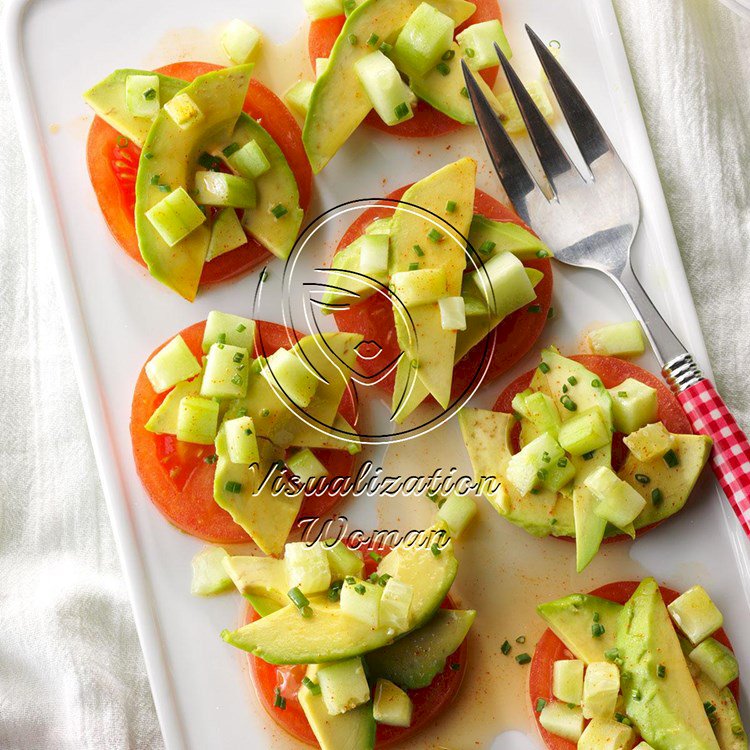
pixel 731 455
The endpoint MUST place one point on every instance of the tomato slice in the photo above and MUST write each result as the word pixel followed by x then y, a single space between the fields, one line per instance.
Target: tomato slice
pixel 551 649
pixel 513 338
pixel 429 703
pixel 427 121
pixel 611 371
pixel 178 480
pixel 113 163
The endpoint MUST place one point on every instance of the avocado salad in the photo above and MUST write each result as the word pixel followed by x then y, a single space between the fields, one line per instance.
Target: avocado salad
pixel 362 635
pixel 649 669
pixel 246 410
pixel 391 54
pixel 452 277
pixel 208 175
pixel 561 480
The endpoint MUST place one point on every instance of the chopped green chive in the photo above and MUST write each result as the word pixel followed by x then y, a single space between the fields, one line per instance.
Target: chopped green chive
pixel 588 456
pixel 436 551
pixel 212 459
pixel 413 266
pixel 597 617
pixel 562 462
pixel 623 719
pixel 279 210
pixel 238 357
pixel 334 593
pixel 264 412
pixel 642 478
pixel 352 38
pixel 534 309
pixel 611 654
pixel 313 687
pixel 465 92
pixel 443 68
pixel 564 388
pixel 661 671
pixel 149 94
pixel 596 383
pixel 709 707
pixel 544 367
pixel 598 630
pixel 521 639
pixel 541 474
pixel 360 589
pixel 656 497
pixel 375 556
pixel 450 207
pixel 540 704
pixel 155 179
pixel 384 579
pixel 279 700
pixel 487 247
pixel 221 338
pixel 240 328
pixel 385 48
pixel 670 459
pixel 435 235
pixel 373 40
pixel 236 379
pixel 300 601
pixel 148 155
pixel 622 394
pixel 573 380
pixel 568 403
pixel 401 110
pixel 232 148
pixel 523 659
pixel 209 161
pixel 449 55
pixel 550 313
pixel 455 666
pixel 233 487
pixel 418 250
pixel 505 648
pixel 541 253
pixel 469 52
pixel 165 188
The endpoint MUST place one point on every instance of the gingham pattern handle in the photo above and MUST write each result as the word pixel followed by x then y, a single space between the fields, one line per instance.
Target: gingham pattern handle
pixel 731 455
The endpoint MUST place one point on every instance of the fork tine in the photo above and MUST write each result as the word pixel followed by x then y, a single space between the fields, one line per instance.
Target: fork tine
pixel 589 135
pixel 515 178
pixel 554 160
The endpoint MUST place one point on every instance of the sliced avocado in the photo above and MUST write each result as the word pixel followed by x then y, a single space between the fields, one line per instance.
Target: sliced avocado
pixel 413 661
pixel 589 528
pixel 275 187
pixel 506 236
pixel 311 437
pixel 444 92
pixel 571 618
pixel 285 637
pixel 486 435
pixel 262 604
pixel 339 102
pixel 432 347
pixel 107 99
pixel 268 519
pixel 353 730
pixel 726 720
pixel 674 484
pixel 173 153
pixel 667 711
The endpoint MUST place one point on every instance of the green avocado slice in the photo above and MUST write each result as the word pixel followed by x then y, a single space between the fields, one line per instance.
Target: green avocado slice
pixel 413 661
pixel 339 102
pixel 726 719
pixel 107 99
pixel 667 711
pixel 285 637
pixel 353 730
pixel 571 617
pixel 169 158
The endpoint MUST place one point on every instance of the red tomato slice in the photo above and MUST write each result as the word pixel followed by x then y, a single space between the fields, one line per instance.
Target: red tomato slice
pixel 179 481
pixel 514 337
pixel 611 371
pixel 429 702
pixel 551 649
pixel 113 163
pixel 427 122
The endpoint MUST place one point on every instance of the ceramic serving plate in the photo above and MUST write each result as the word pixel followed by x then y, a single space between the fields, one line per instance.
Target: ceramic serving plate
pixel 116 314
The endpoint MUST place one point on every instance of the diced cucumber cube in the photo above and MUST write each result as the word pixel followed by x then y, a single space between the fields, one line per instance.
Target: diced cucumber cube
pixel 373 254
pixel 240 42
pixel 395 605
pixel 249 161
pixel 343 685
pixel 286 371
pixel 505 236
pixel 389 95
pixel 424 40
pixel 175 216
pixel 307 567
pixel 379 226
pixel 219 189
pixel 424 286
pixel 541 412
pixel 513 121
pixel 606 734
pixel 305 466
pixel 242 441
pixel 323 8
pixel 618 340
pixel 650 442
pixel 716 661
pixel 198 420
pixel 321 64
pixel 457 512
pixel 567 681
pixel 259 576
pixel 361 600
pixel 209 575
pixel 298 96
pixel 562 720
pixel 226 234
pixel 559 474
pixel 634 404
pixel 600 688
pixel 519 403
pixel 530 467
pixel 585 432
pixel 183 110
pixel 452 313
pixel 509 285
pixel 343 560
pixel 142 95
pixel 224 328
pixel 477 43
pixel 392 705
pixel 225 374
pixel 696 615
pixel 617 501
pixel 172 364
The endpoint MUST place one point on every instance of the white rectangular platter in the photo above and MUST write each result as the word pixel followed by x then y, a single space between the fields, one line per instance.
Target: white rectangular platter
pixel 116 314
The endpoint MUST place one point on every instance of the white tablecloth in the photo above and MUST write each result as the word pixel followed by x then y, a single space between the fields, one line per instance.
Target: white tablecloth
pixel 71 674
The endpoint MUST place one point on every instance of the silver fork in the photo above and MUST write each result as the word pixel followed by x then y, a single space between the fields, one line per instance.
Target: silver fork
pixel 591 222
